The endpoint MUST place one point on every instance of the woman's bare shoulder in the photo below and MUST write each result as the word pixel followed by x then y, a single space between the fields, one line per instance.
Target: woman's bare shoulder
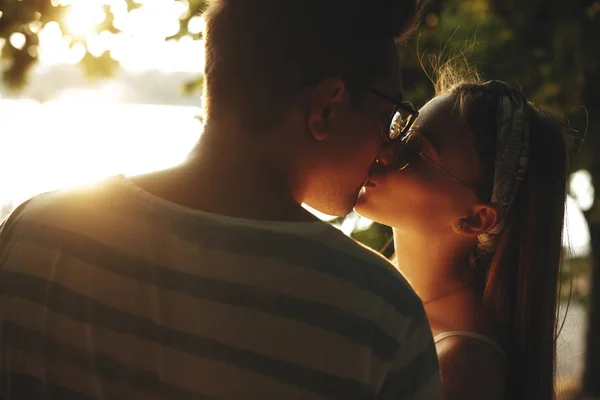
pixel 471 369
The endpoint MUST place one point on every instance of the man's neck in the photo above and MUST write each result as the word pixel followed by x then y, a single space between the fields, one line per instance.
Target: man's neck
pixel 432 265
pixel 233 179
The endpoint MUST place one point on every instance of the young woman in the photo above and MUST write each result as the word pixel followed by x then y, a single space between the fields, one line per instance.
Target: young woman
pixel 475 192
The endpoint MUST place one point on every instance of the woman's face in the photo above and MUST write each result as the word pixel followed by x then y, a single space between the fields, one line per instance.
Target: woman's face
pixel 423 197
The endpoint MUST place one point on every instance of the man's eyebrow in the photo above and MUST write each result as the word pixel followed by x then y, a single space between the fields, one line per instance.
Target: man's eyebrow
pixel 395 98
pixel 398 97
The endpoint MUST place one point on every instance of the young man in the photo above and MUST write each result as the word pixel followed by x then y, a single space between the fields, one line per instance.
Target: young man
pixel 210 280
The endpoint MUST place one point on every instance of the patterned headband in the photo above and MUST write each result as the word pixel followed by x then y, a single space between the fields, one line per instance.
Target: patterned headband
pixel 512 154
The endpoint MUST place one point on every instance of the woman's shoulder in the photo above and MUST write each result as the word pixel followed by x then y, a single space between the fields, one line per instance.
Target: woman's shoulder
pixel 471 368
pixel 485 337
pixel 471 344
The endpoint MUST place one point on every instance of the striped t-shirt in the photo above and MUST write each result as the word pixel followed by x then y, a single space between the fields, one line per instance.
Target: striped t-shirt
pixel 109 292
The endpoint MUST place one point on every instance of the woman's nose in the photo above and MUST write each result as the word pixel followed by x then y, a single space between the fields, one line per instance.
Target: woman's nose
pixel 386 155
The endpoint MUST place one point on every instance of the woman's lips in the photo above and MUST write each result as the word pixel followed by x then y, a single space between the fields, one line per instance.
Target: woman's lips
pixel 369 183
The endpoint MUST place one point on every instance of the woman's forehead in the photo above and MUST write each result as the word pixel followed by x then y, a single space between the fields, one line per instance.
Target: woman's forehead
pixel 439 110
pixel 441 119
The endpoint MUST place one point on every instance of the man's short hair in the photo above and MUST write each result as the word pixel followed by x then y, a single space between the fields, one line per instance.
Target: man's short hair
pixel 259 53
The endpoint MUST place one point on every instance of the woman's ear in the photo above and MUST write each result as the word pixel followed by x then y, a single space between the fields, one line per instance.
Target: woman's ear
pixel 325 96
pixel 482 219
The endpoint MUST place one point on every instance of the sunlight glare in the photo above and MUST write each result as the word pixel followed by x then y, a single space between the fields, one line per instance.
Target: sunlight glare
pixel 53 48
pixel 76 53
pixel 14 137
pixel 35 26
pixel 349 223
pixel 120 15
pixel 196 25
pixel 363 224
pixel 139 46
pixel 319 214
pixel 582 189
pixel 576 238
pixel 181 9
pixel 84 16
pixel 85 145
pixel 107 93
pixel 94 44
pixel 17 40
pixel 155 20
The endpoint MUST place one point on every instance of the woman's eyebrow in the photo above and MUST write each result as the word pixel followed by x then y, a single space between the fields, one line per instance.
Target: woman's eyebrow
pixel 428 135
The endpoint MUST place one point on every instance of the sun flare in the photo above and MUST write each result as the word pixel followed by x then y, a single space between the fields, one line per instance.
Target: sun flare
pixel 84 17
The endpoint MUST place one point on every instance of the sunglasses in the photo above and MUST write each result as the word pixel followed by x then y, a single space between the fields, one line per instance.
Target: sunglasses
pixel 402 119
pixel 408 148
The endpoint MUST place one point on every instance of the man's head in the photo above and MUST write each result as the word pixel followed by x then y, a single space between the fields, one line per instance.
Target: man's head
pixel 302 70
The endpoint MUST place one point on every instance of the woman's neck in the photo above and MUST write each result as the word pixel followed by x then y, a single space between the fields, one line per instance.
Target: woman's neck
pixel 434 266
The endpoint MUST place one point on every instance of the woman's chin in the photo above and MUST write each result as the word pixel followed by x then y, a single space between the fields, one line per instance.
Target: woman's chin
pixel 364 205
pixel 373 206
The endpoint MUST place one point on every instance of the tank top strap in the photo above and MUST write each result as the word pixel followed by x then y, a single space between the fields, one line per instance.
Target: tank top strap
pixel 473 335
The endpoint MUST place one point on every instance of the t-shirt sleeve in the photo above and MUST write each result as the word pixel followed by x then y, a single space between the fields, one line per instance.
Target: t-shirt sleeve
pixel 414 373
pixel 11 219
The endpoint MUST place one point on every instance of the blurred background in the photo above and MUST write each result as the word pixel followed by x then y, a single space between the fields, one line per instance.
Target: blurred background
pixel 92 88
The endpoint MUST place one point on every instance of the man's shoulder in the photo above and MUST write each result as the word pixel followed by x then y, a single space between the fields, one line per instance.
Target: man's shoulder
pixel 343 257
pixel 69 203
pixel 356 252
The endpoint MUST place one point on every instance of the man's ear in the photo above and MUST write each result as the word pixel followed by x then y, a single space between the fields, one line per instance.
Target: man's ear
pixel 325 97
pixel 482 219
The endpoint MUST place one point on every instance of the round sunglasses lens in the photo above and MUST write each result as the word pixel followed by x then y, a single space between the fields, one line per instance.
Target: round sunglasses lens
pixel 400 122
pixel 406 150
pixel 397 125
pixel 408 121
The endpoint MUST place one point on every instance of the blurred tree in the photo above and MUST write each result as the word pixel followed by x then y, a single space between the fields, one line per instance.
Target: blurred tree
pixel 22 21
pixel 196 7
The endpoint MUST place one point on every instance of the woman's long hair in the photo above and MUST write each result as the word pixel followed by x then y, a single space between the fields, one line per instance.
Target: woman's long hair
pixel 521 279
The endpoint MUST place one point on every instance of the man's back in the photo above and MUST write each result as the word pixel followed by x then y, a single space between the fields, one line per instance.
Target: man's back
pixel 112 293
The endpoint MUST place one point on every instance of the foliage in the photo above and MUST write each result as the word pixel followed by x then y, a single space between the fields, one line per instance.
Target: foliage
pixel 196 7
pixel 23 20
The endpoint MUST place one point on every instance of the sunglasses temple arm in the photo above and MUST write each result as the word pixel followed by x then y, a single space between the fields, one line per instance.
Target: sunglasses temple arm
pixel 441 168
